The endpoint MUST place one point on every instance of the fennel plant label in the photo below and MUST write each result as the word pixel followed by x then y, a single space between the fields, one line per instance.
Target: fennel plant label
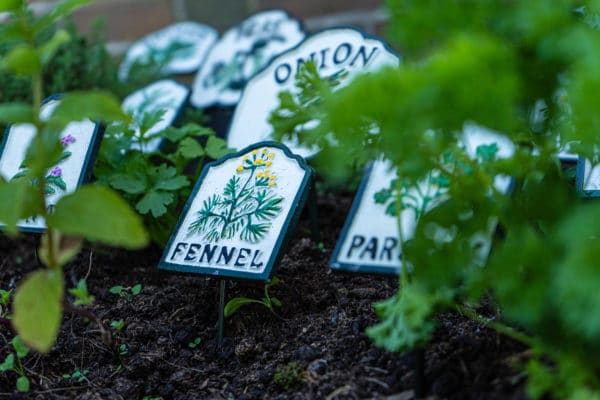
pixel 339 53
pixel 165 95
pixel 179 49
pixel 79 141
pixel 371 237
pixel 240 213
pixel 240 53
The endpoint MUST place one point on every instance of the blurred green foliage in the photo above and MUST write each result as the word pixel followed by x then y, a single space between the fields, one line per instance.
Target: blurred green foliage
pixel 491 63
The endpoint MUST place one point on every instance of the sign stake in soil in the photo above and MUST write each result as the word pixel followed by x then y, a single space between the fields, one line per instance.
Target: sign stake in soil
pixel 221 322
pixel 240 216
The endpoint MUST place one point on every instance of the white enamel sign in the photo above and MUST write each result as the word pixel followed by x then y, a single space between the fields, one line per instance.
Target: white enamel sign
pixel 80 141
pixel 241 53
pixel 185 43
pixel 588 178
pixel 239 214
pixel 334 51
pixel 370 242
pixel 166 95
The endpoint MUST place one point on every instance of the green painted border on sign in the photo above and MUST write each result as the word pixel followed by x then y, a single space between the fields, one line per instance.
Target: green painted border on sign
pixel 283 237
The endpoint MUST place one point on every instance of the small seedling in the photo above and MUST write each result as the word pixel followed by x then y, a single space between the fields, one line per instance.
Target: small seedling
pixel 4 300
pixel 270 302
pixel 194 343
pixel 126 292
pixel 77 375
pixel 289 375
pixel 15 364
pixel 82 296
pixel 123 349
pixel 117 325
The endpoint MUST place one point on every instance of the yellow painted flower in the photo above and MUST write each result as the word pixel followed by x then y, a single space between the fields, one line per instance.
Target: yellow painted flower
pixel 254 152
pixel 259 175
pixel 267 172
pixel 271 155
pixel 240 169
pixel 245 158
pixel 264 151
pixel 272 177
pixel 260 161
pixel 272 183
pixel 269 163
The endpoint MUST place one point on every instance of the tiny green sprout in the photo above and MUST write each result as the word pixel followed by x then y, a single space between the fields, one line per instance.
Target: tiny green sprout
pixel 82 296
pixel 117 325
pixel 268 301
pixel 123 349
pixel 11 363
pixel 77 375
pixel 5 296
pixel 126 292
pixel 289 375
pixel 321 247
pixel 194 343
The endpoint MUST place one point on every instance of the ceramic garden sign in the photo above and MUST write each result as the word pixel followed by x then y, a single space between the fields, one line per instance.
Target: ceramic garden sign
pixel 369 241
pixel 588 178
pixel 240 214
pixel 186 45
pixel 166 95
pixel 243 51
pixel 342 52
pixel 80 142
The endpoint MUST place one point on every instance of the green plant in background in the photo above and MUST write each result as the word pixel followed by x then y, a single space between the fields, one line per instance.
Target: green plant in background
pixel 127 292
pixel 117 325
pixel 155 183
pixel 14 362
pixel 81 294
pixel 194 343
pixel 289 375
pixel 489 63
pixel 4 301
pixel 268 301
pixel 91 212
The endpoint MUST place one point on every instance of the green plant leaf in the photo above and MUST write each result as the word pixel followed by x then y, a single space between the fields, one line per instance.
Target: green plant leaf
pixel 60 10
pixel 217 148
pixel 22 60
pixel 116 289
pixel 20 347
pixel 38 309
pixel 155 202
pixel 49 48
pixel 166 179
pixel 23 384
pixel 99 214
pixel 234 304
pixel 93 105
pixel 127 183
pixel 136 289
pixel 8 364
pixel 65 248
pixel 190 148
pixel 15 113
pixel 18 199
pixel 10 5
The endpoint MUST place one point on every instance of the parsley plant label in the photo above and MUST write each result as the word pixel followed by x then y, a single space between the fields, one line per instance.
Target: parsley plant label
pixel 181 47
pixel 243 51
pixel 588 178
pixel 339 53
pixel 370 240
pixel 240 214
pixel 80 142
pixel 166 95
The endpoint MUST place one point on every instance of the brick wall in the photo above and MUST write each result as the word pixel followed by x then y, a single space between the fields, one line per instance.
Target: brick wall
pixel 128 20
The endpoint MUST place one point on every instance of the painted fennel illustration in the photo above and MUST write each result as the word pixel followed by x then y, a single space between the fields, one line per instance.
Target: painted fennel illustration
pixel 246 206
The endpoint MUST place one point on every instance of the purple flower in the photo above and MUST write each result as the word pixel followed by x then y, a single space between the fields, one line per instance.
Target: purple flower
pixel 65 141
pixel 56 171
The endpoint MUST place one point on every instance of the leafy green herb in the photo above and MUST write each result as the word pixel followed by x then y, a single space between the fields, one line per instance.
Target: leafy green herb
pixel 12 363
pixel 268 301
pixel 77 375
pixel 81 294
pixel 126 292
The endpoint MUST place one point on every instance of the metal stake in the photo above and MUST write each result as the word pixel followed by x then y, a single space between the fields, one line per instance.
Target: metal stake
pixel 312 209
pixel 221 323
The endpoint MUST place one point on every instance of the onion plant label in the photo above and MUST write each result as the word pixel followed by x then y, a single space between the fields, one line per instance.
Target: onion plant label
pixel 370 239
pixel 241 53
pixel 166 95
pixel 339 53
pixel 239 214
pixel 80 142
pixel 180 48
pixel 588 178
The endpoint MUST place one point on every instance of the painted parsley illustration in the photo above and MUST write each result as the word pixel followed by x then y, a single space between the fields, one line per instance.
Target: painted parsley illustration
pixel 420 198
pixel 54 179
pixel 246 205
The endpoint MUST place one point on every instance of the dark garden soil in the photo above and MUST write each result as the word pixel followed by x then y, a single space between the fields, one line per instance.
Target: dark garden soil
pixel 320 328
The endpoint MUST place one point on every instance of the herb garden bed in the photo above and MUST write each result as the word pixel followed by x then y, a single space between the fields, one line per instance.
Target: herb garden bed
pixel 315 349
